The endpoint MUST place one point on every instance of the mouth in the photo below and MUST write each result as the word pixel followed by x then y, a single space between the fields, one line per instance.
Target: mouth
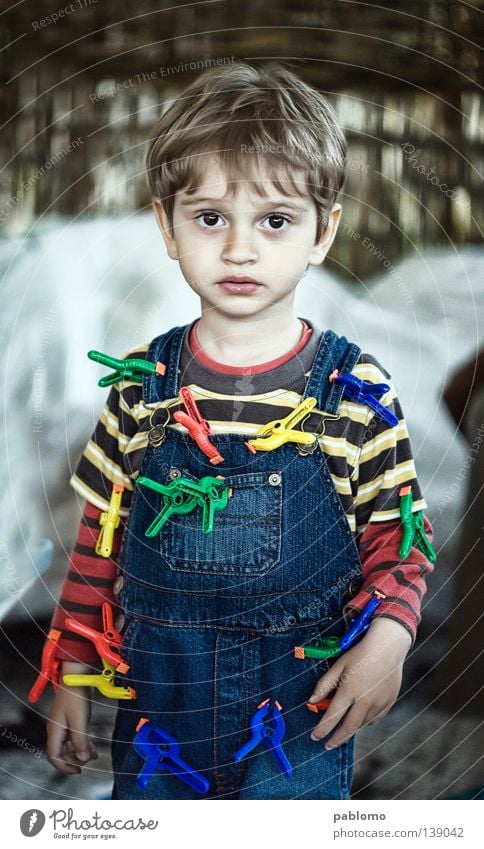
pixel 239 285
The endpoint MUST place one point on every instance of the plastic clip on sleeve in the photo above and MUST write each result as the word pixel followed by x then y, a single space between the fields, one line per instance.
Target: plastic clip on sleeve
pixel 49 668
pixel 334 646
pixel 413 528
pixel 103 681
pixel 133 368
pixel 109 521
pixel 107 643
pixel 361 622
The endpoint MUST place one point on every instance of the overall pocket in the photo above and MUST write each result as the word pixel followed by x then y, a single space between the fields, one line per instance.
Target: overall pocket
pixel 246 536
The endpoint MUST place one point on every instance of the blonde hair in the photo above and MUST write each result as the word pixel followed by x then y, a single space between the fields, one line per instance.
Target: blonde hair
pixel 249 117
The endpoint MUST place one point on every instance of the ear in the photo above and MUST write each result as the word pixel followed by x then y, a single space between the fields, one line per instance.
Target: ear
pixel 166 228
pixel 323 244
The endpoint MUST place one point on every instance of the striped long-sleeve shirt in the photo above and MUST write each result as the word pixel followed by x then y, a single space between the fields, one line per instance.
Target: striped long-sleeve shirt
pixel 368 461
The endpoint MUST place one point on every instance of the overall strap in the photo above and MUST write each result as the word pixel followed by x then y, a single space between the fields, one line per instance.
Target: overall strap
pixel 165 349
pixel 334 352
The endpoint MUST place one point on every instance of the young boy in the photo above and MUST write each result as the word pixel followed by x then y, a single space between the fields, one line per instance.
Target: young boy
pixel 297 528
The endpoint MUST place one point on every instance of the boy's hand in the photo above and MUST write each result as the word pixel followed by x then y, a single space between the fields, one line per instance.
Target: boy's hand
pixel 368 678
pixel 68 746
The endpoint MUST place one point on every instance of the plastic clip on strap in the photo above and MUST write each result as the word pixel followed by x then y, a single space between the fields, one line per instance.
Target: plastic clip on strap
pixel 413 528
pixel 277 433
pixel 198 428
pixel 49 667
pixel 107 644
pixel 109 521
pixel 103 681
pixel 161 752
pixel 364 392
pixel 133 369
pixel 267 726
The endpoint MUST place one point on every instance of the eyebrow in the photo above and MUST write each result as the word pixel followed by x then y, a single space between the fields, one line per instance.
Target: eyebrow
pixel 265 204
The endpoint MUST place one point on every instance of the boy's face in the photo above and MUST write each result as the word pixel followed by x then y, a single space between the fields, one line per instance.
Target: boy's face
pixel 244 254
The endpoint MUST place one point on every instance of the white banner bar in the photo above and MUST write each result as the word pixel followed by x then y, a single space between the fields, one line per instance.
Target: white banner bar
pixel 129 824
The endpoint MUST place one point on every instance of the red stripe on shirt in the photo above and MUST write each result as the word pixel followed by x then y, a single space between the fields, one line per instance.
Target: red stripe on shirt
pixel 87 585
pixel 402 581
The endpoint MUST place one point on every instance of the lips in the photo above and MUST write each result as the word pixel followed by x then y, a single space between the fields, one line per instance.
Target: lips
pixel 239 285
pixel 236 279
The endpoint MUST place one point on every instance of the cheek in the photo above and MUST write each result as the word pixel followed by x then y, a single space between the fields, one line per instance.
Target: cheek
pixel 195 268
pixel 292 261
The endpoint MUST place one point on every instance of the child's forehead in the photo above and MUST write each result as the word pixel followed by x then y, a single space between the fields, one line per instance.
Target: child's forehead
pixel 261 179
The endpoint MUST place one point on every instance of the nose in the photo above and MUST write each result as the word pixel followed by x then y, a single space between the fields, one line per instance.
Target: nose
pixel 239 246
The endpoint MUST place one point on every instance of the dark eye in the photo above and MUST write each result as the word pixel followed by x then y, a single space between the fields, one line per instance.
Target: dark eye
pixel 276 222
pixel 209 219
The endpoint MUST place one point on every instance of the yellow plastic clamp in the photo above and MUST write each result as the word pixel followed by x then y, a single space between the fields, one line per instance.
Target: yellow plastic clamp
pixel 103 681
pixel 109 521
pixel 281 431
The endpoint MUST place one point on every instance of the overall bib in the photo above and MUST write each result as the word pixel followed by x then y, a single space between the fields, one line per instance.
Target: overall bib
pixel 212 619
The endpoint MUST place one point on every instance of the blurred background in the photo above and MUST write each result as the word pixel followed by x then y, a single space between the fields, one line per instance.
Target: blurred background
pixel 82 266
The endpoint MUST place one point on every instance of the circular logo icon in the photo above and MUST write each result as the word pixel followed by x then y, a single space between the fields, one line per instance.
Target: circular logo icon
pixel 32 822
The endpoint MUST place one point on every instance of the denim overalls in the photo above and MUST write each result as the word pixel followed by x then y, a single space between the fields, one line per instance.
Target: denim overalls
pixel 212 619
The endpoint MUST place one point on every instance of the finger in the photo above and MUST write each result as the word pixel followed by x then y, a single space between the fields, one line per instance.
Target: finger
pixel 62 762
pixel 56 738
pixel 78 732
pixel 328 682
pixel 69 756
pixel 336 711
pixel 63 767
pixel 354 720
pixel 69 760
pixel 80 743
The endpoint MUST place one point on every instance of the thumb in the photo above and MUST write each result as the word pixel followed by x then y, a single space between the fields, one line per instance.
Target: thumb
pixel 80 744
pixel 327 683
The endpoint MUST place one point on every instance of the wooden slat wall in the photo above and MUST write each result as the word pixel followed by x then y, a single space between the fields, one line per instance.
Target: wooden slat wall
pixel 81 91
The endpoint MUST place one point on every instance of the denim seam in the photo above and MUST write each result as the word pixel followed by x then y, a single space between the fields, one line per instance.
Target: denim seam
pixel 344 771
pixel 215 709
pixel 208 595
pixel 249 631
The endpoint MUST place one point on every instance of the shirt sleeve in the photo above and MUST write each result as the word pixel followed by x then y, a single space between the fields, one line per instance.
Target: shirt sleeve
pixel 87 585
pixel 385 462
pixel 105 460
pixel 401 581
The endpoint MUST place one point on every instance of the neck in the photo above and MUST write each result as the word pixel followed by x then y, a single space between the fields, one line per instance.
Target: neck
pixel 247 342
